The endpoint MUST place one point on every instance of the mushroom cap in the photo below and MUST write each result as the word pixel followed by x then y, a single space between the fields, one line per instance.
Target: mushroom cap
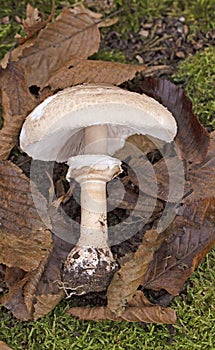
pixel 54 130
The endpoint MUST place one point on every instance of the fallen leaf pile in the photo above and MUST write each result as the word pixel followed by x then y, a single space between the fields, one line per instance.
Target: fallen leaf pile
pixel 54 55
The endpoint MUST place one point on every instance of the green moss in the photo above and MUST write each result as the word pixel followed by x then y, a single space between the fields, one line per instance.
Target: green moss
pixel 57 331
pixel 197 74
pixel 198 13
pixel 111 55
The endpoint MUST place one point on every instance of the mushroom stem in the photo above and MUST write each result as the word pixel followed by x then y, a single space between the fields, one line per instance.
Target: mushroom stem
pixel 90 264
pixel 95 139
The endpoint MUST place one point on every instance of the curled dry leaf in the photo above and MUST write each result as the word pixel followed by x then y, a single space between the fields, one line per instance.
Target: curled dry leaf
pixel 33 16
pixel 22 289
pixel 199 184
pixel 70 36
pixel 45 303
pixel 192 138
pixel 79 71
pixel 192 236
pixel 200 177
pixel 107 22
pixel 164 169
pixel 14 55
pixel 139 310
pixel 147 314
pixel 128 278
pixel 17 102
pixel 32 295
pixel 34 22
pixel 24 238
pixel 26 247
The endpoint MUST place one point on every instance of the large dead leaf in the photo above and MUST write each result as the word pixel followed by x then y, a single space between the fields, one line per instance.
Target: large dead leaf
pixel 25 243
pixel 22 288
pixel 24 239
pixel 72 35
pixel 199 184
pixel 133 267
pixel 192 138
pixel 139 310
pixel 45 303
pixel 4 346
pixel 79 71
pixel 193 235
pixel 201 177
pixel 33 294
pixel 17 102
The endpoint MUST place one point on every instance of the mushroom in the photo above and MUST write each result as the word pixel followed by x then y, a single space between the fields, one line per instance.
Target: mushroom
pixel 84 126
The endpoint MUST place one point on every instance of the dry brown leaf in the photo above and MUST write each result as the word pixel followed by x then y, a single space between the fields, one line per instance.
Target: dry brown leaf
pixel 34 22
pixel 32 295
pixel 193 235
pixel 4 346
pixel 17 102
pixel 33 16
pixel 139 310
pixel 157 71
pixel 199 184
pixel 45 303
pixel 22 290
pixel 128 278
pixel 70 36
pixel 164 169
pixel 32 25
pixel 13 300
pixel 14 55
pixel 201 177
pixel 148 314
pixel 79 71
pixel 107 22
pixel 30 288
pixel 192 138
pixel 24 239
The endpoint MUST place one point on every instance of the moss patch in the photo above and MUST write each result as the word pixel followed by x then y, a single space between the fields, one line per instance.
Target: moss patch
pixel 197 75
pixel 195 330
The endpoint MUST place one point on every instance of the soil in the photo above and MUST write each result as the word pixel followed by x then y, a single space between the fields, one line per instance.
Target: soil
pixel 165 41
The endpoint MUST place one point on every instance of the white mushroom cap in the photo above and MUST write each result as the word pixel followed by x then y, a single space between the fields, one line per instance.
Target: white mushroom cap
pixel 55 129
